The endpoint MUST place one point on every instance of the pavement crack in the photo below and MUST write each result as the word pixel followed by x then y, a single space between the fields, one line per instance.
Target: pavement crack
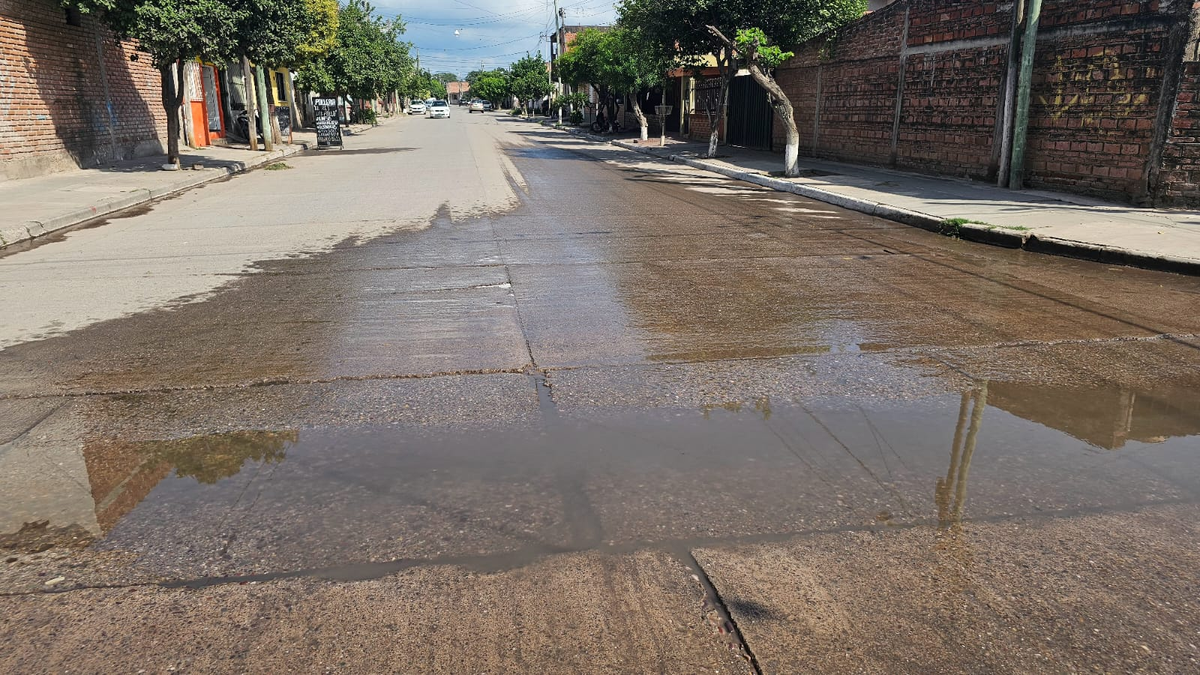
pixel 714 603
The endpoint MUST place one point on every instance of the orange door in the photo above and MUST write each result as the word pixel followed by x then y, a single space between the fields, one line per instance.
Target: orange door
pixel 200 123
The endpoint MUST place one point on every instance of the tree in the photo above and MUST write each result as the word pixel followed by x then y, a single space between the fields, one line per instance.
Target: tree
pixel 322 37
pixel 681 28
pixel 420 85
pixel 615 62
pixel 368 61
pixel 528 78
pixel 761 57
pixel 491 85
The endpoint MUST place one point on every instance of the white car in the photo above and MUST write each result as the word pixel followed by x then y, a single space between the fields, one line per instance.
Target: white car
pixel 416 108
pixel 439 109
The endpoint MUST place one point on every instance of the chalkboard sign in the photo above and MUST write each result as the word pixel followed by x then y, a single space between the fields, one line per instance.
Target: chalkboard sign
pixel 284 115
pixel 329 130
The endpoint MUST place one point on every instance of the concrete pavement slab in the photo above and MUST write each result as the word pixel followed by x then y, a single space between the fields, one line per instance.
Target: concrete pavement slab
pixel 582 613
pixel 1040 221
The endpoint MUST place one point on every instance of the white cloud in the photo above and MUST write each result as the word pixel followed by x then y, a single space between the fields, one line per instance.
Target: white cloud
pixel 492 32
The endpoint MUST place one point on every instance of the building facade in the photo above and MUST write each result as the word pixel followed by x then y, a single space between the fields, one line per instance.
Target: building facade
pixel 71 94
pixel 923 85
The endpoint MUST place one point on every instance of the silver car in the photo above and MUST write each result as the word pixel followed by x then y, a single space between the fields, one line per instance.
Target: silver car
pixel 439 109
pixel 416 108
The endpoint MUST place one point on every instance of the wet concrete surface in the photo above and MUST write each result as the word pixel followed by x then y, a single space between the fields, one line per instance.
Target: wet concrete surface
pixel 639 419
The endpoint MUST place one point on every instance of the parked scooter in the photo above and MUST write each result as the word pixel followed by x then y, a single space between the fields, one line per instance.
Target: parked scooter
pixel 241 126
pixel 603 125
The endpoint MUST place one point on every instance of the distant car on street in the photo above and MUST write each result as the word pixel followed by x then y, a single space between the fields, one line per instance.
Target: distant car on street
pixel 476 106
pixel 487 105
pixel 439 109
pixel 416 108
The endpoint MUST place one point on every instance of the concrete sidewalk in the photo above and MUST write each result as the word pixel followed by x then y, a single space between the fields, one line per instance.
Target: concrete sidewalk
pixel 1037 221
pixel 34 207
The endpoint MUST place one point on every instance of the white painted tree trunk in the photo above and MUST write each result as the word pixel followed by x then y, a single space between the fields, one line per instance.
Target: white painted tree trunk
pixel 791 158
pixel 643 123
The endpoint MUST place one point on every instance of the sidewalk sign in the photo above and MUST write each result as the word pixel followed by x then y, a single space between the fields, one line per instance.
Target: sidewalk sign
pixel 329 130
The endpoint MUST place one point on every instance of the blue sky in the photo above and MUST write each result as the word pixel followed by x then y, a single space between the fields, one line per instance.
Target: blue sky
pixel 494 32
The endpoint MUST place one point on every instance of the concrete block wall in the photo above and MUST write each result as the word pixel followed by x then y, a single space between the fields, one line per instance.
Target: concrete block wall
pixel 919 85
pixel 71 95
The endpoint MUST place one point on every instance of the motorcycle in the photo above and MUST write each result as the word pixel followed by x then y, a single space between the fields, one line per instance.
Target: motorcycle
pixel 241 126
pixel 604 126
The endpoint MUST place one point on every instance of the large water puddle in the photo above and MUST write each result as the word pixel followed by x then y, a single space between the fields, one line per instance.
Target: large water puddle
pixel 364 501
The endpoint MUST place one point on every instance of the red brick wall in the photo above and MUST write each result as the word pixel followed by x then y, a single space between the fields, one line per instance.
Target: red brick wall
pixel 53 111
pixel 1095 92
pixel 1179 182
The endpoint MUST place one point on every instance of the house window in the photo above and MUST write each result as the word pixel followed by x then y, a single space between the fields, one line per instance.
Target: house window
pixel 74 17
pixel 281 87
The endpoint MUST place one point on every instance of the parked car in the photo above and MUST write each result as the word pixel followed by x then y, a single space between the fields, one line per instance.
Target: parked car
pixel 476 106
pixel 439 109
pixel 416 108
pixel 487 105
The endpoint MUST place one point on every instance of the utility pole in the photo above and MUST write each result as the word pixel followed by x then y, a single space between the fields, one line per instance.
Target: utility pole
pixel 558 92
pixel 1016 168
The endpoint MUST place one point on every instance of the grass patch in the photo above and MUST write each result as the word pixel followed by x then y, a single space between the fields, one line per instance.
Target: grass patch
pixel 277 166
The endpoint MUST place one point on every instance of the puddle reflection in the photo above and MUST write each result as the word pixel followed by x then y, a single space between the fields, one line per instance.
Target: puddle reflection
pixel 728 472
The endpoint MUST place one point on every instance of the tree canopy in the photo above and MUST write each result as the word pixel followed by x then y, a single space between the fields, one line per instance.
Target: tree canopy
pixel 368 59
pixel 528 78
pixel 490 85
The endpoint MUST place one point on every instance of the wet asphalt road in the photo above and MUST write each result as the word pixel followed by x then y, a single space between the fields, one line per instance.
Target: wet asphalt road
pixel 555 407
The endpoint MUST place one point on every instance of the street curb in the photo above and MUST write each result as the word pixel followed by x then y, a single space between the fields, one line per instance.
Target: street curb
pixel 983 234
pixel 15 234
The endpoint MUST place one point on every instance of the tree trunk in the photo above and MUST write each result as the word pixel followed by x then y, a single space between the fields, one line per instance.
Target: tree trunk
pixel 171 100
pixel 643 123
pixel 251 103
pixel 783 107
pixel 725 67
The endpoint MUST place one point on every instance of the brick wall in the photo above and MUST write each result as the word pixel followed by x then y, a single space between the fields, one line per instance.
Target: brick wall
pixel 54 112
pixel 1179 181
pixel 1097 82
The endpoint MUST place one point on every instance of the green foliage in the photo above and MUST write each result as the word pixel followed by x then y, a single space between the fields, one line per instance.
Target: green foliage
pixel 577 117
pixel 368 61
pixel 492 85
pixel 574 100
pixel 171 30
pixel 753 45
pixel 528 78
pixel 420 85
pixel 516 112
pixel 269 32
pixel 364 116
pixel 679 28
pixel 274 32
pixel 322 37
pixel 618 61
